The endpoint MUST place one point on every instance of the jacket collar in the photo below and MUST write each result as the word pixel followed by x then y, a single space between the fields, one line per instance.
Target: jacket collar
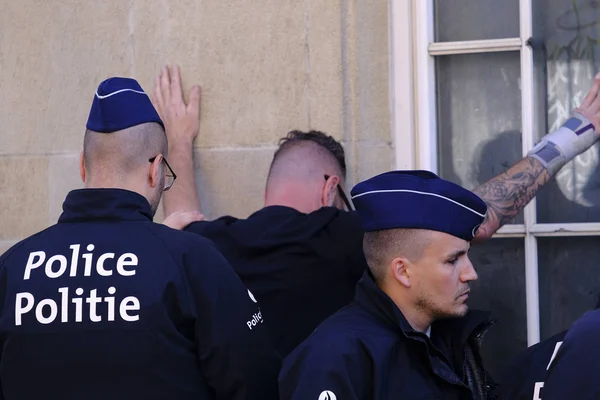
pixel 377 302
pixel 85 205
pixel 445 357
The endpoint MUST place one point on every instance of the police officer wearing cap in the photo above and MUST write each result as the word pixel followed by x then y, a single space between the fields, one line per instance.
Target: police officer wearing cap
pixel 408 334
pixel 107 304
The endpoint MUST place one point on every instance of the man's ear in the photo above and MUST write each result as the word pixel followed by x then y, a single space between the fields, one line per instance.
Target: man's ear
pixel 82 167
pixel 401 271
pixel 329 191
pixel 154 172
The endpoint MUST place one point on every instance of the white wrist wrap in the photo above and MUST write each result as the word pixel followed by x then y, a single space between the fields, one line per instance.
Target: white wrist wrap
pixel 561 146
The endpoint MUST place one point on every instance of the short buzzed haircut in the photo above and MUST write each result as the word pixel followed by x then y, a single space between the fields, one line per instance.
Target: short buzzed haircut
pixel 123 151
pixel 323 141
pixel 381 247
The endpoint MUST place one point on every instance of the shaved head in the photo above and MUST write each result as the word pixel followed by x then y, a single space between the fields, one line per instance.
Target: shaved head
pixel 308 172
pixel 122 152
pixel 381 247
pixel 304 161
pixel 121 159
pixel 306 156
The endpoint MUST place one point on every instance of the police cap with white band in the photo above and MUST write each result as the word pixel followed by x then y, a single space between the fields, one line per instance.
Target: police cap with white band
pixel 418 200
pixel 120 103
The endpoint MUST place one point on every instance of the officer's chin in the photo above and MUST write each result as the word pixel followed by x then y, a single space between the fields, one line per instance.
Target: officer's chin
pixel 460 311
pixel 457 312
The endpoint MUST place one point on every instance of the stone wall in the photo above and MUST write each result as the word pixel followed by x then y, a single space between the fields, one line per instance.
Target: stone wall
pixel 265 67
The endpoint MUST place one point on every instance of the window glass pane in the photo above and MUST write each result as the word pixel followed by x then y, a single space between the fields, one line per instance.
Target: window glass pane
pixel 457 20
pixel 479 116
pixel 566 58
pixel 569 276
pixel 500 264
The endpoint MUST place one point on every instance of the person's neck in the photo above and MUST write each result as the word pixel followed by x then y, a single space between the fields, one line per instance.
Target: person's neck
pixel 415 317
pixel 290 196
pixel 291 203
pixel 99 183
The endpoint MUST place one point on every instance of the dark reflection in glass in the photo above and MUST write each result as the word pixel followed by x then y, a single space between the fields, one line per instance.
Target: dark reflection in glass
pixel 566 58
pixel 500 264
pixel 479 116
pixel 569 280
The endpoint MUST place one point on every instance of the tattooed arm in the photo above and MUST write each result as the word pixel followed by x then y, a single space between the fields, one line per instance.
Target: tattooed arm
pixel 508 193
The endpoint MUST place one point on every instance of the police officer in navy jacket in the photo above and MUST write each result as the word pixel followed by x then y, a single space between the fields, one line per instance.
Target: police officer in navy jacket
pixel 525 375
pixel 574 372
pixel 107 304
pixel 408 333
pixel 524 378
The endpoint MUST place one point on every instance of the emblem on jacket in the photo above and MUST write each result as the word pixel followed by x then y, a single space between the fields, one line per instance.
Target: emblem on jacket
pixel 251 296
pixel 537 390
pixel 327 395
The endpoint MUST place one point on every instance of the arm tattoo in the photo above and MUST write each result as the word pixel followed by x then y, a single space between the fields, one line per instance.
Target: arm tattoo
pixel 508 193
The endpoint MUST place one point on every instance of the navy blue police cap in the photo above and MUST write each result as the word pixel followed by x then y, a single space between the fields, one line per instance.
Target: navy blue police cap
pixel 418 200
pixel 120 103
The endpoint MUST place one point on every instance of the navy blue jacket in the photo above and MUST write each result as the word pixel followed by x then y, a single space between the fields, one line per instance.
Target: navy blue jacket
pixel 369 351
pixel 107 304
pixel 302 268
pixel 575 371
pixel 524 377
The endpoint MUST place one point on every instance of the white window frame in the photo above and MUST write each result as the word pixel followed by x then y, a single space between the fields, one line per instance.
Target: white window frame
pixel 414 126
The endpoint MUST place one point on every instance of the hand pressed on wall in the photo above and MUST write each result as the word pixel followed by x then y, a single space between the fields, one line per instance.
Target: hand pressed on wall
pixel 182 122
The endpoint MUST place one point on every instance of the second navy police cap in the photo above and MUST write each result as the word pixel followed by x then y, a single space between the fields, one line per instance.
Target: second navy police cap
pixel 418 200
pixel 120 103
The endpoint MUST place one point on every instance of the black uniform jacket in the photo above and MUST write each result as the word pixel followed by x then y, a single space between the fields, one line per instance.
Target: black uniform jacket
pixel 302 268
pixel 107 304
pixel 575 371
pixel 525 375
pixel 369 351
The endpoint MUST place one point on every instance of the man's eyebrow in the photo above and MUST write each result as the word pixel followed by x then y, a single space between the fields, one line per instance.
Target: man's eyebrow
pixel 457 253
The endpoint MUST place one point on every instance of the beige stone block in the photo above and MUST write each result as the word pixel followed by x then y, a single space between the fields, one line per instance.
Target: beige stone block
pixel 374 159
pixel 325 79
pixel 248 56
pixel 53 55
pixel 351 153
pixel 349 71
pixel 232 182
pixel 23 196
pixel 63 177
pixel 372 61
